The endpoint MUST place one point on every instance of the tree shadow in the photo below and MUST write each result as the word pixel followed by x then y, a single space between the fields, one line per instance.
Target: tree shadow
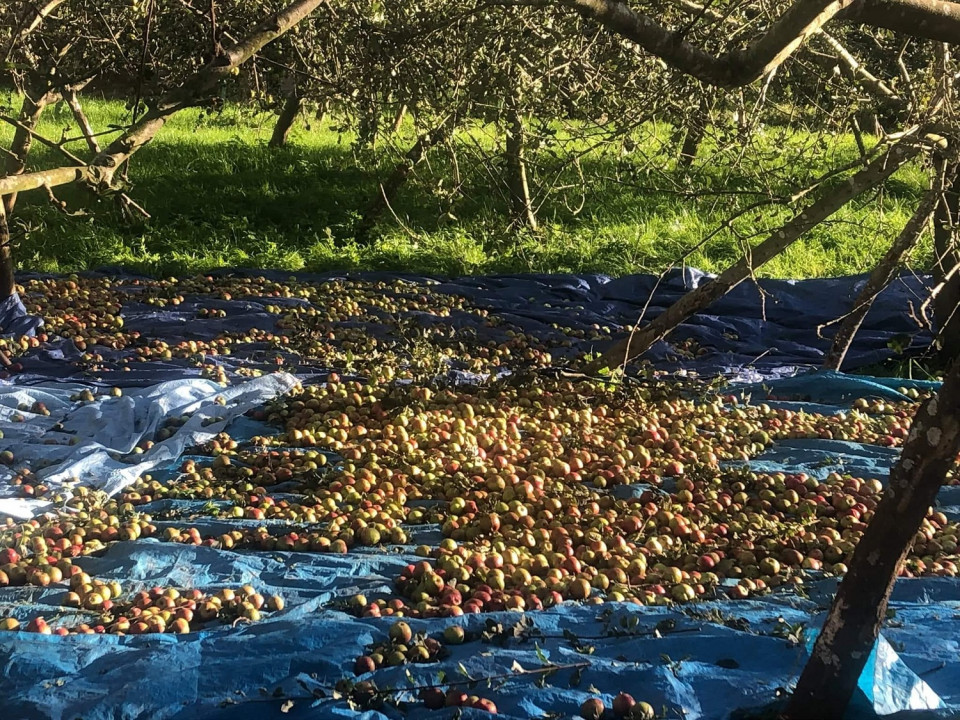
pixel 206 196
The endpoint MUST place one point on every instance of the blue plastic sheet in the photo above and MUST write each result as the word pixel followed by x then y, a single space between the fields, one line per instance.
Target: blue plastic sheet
pixel 758 331
pixel 697 666
pixel 702 661
pixel 14 319
pixel 95 443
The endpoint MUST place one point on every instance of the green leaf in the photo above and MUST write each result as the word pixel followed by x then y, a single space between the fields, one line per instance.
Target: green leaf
pixel 541 655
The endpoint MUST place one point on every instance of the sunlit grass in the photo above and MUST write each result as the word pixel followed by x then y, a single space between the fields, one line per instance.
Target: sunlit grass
pixel 219 197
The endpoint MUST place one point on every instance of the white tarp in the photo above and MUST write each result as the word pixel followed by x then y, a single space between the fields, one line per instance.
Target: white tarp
pixel 93 443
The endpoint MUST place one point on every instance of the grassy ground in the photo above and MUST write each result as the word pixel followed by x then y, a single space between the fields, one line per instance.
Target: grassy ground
pixel 220 197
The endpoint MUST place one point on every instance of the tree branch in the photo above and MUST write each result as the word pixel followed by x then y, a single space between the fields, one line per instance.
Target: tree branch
pixel 193 91
pixel 881 276
pixel 39 15
pixel 870 81
pixel 73 102
pixel 41 139
pixel 854 67
pixel 31 22
pixel 929 19
pixel 732 69
pixel 696 300
pixel 51 178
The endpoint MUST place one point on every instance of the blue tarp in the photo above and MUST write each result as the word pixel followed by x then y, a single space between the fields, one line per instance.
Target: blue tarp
pixel 757 331
pixel 704 660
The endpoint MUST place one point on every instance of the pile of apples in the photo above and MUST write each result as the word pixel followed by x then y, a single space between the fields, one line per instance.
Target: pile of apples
pixel 403 647
pixel 44 552
pixel 546 489
pixel 523 481
pixel 157 610
pixel 324 324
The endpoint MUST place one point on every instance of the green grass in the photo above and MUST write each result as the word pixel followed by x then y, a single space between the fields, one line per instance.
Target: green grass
pixel 219 197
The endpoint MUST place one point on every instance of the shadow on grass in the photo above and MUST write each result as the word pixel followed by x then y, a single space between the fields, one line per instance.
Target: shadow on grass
pixel 237 202
pixel 237 186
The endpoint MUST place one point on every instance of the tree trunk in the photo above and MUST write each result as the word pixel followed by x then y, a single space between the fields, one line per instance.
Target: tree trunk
pixel 73 102
pixel 859 608
pixel 368 129
pixel 521 206
pixel 7 283
pixel 691 142
pixel 30 112
pixel 387 192
pixel 882 275
pixel 291 109
pixel 696 129
pixel 947 303
pixel 696 300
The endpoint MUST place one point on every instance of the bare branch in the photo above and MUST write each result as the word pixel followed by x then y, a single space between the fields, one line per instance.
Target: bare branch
pixel 871 176
pixel 41 139
pixel 73 102
pixel 882 275
pixel 732 69
pixel 193 91
pixel 930 19
pixel 870 81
